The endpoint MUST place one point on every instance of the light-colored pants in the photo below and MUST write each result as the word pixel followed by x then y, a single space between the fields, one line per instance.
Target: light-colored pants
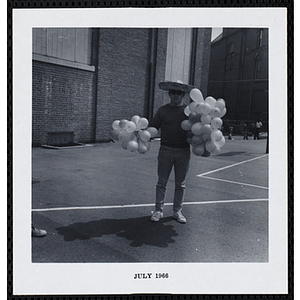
pixel 167 158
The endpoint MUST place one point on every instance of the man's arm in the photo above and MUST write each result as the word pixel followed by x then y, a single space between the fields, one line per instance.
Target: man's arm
pixel 156 121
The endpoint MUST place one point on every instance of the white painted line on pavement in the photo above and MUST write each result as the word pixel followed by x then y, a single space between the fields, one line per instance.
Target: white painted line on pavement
pixel 235 182
pixel 227 201
pixel 141 205
pixel 230 166
pixel 91 207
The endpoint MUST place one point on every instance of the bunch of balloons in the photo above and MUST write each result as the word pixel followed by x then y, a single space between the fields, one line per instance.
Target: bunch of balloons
pixel 134 134
pixel 204 123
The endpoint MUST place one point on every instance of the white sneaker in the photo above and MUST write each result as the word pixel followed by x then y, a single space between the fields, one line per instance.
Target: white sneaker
pixel 38 232
pixel 156 216
pixel 179 217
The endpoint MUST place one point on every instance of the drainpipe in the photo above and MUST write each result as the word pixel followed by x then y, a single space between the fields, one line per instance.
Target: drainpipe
pixel 152 72
pixel 193 56
pixel 95 62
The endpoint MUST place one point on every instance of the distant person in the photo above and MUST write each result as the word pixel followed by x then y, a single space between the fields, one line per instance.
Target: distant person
pixel 174 149
pixel 35 232
pixel 258 126
pixel 245 132
pixel 230 133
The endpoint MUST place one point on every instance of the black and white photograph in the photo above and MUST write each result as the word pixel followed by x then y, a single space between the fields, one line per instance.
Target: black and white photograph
pixel 150 151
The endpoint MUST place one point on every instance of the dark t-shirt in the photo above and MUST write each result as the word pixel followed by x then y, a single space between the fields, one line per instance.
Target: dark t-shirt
pixel 168 118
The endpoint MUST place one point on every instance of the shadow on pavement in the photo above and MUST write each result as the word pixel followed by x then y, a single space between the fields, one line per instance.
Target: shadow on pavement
pixel 138 230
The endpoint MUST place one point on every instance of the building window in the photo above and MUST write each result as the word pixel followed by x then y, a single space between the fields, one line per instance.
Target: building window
pixel 230 56
pixel 257 62
pixel 70 44
pixel 259 38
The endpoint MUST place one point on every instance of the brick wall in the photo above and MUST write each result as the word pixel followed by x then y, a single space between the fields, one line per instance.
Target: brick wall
pixel 122 76
pixel 87 102
pixel 61 101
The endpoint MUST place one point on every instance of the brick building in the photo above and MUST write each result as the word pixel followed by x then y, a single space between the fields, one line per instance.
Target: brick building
pixel 85 78
pixel 239 74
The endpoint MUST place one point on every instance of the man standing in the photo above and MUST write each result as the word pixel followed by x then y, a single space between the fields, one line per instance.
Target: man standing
pixel 245 132
pixel 258 126
pixel 174 149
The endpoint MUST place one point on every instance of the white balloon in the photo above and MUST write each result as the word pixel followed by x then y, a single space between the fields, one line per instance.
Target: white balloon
pixel 220 103
pixel 210 100
pixel 215 112
pixel 125 136
pixel 198 150
pixel 115 125
pixel 205 119
pixel 210 146
pixel 135 119
pixel 198 109
pixel 216 123
pixel 216 135
pixel 205 108
pixel 206 129
pixel 142 123
pixel 221 143
pixel 197 140
pixel 196 95
pixel 197 128
pixel 223 112
pixel 124 145
pixel 122 123
pixel 192 106
pixel 147 145
pixel 142 147
pixel 186 125
pixel 132 146
pixel 130 126
pixel 145 135
pixel 153 131
pixel 187 111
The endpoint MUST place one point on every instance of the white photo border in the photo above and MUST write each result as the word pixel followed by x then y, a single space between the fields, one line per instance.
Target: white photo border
pixel 191 278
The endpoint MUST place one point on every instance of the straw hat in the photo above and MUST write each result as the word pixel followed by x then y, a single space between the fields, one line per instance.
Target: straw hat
pixel 177 86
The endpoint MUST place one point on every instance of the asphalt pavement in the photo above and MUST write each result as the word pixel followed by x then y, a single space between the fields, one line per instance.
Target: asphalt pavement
pixel 95 203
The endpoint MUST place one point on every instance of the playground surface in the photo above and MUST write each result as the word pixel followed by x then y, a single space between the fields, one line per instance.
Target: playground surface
pixel 95 203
